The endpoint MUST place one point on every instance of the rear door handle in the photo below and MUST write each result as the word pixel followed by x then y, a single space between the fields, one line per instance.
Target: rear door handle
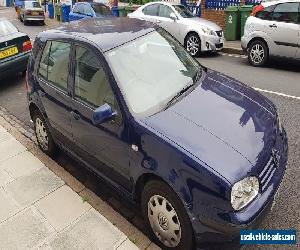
pixel 75 115
pixel 273 25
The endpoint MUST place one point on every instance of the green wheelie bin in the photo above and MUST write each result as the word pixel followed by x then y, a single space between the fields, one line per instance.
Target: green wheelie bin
pixel 232 23
pixel 245 13
pixel 122 12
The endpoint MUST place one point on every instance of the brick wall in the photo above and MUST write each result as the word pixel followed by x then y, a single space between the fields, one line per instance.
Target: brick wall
pixel 217 16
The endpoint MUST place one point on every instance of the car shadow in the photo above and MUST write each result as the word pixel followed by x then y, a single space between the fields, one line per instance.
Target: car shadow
pixel 128 210
pixel 284 64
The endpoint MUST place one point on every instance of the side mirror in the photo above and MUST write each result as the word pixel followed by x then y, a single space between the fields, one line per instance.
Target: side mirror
pixel 173 16
pixel 103 113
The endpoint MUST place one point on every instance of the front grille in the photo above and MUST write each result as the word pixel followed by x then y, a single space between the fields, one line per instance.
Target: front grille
pixel 219 33
pixel 267 173
pixel 219 45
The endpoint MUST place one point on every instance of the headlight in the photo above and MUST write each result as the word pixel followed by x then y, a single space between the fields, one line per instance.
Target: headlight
pixel 208 31
pixel 243 192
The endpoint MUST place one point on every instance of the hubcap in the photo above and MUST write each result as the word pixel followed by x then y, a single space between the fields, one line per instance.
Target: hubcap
pixel 41 134
pixel 257 53
pixel 164 221
pixel 192 45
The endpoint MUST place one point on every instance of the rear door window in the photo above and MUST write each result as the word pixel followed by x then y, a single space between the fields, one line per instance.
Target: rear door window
pixel 286 12
pixel 164 11
pixel 151 10
pixel 54 64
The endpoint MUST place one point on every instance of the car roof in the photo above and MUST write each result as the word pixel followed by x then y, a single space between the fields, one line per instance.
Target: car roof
pixel 162 2
pixel 106 33
pixel 273 2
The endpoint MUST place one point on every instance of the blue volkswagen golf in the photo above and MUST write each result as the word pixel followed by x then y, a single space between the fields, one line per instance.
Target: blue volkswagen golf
pixel 202 154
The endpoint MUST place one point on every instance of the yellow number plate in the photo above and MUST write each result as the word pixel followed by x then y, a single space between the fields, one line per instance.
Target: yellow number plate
pixel 8 52
pixel 35 13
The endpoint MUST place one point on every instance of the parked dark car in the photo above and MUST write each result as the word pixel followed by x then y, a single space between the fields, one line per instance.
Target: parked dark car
pixel 89 9
pixel 15 48
pixel 201 153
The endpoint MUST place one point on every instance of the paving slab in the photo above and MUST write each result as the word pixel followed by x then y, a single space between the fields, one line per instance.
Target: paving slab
pixel 31 188
pixel 22 164
pixel 4 136
pixel 24 231
pixel 92 231
pixel 62 207
pixel 4 177
pixel 8 206
pixel 127 244
pixel 10 148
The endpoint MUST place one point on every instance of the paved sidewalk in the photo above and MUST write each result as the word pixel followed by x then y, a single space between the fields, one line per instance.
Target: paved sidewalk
pixel 39 211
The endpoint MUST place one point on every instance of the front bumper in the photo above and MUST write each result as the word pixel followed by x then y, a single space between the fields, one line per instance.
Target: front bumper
pixel 211 43
pixel 14 64
pixel 225 226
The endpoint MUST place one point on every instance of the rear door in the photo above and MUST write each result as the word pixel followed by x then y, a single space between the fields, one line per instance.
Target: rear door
pixel 283 29
pixel 53 78
pixel 166 22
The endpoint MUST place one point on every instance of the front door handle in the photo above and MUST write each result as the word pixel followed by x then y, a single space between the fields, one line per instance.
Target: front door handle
pixel 158 21
pixel 75 115
pixel 273 25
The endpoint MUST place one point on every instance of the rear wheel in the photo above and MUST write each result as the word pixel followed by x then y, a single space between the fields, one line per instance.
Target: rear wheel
pixel 258 53
pixel 166 217
pixel 43 135
pixel 193 44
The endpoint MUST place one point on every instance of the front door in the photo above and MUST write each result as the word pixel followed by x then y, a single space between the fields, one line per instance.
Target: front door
pixel 53 78
pixel 105 143
pixel 284 29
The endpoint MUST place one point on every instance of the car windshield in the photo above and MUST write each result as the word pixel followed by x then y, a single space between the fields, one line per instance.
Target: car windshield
pixel 183 11
pixel 32 4
pixel 101 9
pixel 6 28
pixel 151 70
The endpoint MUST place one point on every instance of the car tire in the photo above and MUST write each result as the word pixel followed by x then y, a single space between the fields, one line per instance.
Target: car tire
pixel 166 217
pixel 43 134
pixel 193 44
pixel 42 23
pixel 258 53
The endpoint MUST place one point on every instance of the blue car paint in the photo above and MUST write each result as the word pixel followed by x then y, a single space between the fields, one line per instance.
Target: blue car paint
pixel 73 16
pixel 187 147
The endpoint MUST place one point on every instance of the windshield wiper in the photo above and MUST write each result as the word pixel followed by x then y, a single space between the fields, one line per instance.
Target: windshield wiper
pixel 180 93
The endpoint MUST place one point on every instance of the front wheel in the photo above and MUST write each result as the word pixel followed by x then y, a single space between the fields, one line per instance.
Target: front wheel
pixel 166 217
pixel 193 44
pixel 258 53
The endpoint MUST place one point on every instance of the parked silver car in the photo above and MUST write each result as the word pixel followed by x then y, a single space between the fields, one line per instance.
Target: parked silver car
pixel 273 29
pixel 32 11
pixel 196 34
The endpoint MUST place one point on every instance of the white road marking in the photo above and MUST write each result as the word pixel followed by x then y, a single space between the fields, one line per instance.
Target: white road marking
pixel 278 93
pixel 233 55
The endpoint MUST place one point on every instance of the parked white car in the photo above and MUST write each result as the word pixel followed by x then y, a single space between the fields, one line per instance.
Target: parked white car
pixel 194 33
pixel 273 29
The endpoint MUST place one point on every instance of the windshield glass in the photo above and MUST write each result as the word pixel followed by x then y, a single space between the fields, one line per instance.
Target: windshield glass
pixel 183 11
pixel 101 9
pixel 32 5
pixel 151 70
pixel 6 28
